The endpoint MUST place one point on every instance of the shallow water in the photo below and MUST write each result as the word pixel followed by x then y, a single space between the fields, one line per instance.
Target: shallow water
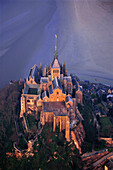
pixel 85 37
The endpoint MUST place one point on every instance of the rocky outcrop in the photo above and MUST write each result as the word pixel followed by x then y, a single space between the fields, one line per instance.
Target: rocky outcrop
pixel 78 135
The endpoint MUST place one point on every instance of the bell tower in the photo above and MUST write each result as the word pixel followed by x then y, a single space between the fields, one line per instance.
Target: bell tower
pixel 55 66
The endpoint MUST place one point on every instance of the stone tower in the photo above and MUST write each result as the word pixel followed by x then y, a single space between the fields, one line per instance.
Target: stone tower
pixel 55 66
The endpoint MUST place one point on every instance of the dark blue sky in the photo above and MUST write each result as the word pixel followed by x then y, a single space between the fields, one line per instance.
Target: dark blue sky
pixel 85 37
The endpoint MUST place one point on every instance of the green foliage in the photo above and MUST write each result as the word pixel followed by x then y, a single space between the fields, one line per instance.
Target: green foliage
pixel 101 98
pixel 110 149
pixel 38 116
pixel 22 143
pixel 9 97
pixel 55 152
pixel 110 112
pixel 93 96
pixel 9 110
pixel 31 121
pixel 106 127
pixel 90 130
pixel 31 163
pixel 100 144
pixel 20 126
pixel 101 108
pixel 52 152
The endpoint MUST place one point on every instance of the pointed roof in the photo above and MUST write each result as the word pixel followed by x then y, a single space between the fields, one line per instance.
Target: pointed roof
pixel 34 72
pixel 55 63
pixel 39 97
pixel 68 98
pixel 44 94
pixel 50 89
pixel 56 83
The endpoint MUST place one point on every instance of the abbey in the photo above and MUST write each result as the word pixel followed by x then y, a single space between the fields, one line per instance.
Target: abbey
pixel 51 94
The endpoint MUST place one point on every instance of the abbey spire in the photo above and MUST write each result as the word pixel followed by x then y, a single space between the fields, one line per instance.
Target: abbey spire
pixel 55 65
pixel 56 54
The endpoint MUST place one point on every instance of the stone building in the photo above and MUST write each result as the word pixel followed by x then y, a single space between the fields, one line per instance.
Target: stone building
pixel 29 98
pixel 52 93
pixel 56 113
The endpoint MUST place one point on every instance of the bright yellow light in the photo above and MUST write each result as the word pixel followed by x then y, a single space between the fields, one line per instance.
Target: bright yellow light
pixel 55 35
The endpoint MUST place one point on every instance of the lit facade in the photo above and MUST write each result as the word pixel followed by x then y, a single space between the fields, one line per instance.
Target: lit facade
pixel 52 93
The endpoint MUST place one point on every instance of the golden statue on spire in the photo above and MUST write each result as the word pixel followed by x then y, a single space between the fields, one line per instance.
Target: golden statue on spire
pixel 56 36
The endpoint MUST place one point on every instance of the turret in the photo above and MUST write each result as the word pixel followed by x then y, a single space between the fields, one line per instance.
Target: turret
pixel 64 70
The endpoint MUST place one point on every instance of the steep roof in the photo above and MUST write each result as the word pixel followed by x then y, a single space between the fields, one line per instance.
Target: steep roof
pixel 34 87
pixel 68 98
pixel 49 77
pixel 44 94
pixel 58 108
pixel 50 89
pixel 34 72
pixel 56 83
pixel 80 88
pixel 39 97
pixel 61 76
pixel 55 63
